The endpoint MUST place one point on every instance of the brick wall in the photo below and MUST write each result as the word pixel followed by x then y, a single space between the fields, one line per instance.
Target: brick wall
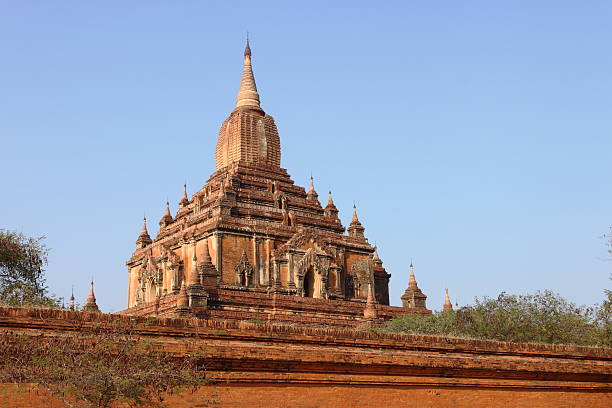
pixel 259 365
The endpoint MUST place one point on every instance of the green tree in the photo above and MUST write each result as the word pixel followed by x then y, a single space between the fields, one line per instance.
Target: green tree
pixel 22 263
pixel 542 317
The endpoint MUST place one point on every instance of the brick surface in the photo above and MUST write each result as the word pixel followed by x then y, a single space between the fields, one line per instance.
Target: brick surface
pixel 276 366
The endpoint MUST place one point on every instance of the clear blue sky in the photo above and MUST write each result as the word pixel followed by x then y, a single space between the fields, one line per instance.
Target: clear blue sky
pixel 474 136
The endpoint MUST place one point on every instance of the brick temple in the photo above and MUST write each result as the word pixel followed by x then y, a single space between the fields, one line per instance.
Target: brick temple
pixel 251 244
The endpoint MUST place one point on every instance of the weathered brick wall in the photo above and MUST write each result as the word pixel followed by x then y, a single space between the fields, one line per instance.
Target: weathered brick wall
pixel 224 304
pixel 267 365
pixel 309 396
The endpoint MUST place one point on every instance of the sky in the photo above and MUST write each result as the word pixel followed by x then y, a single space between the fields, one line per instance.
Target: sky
pixel 475 137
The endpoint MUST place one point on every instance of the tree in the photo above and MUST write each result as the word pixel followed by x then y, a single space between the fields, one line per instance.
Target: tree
pixel 22 262
pixel 99 366
pixel 604 315
pixel 542 317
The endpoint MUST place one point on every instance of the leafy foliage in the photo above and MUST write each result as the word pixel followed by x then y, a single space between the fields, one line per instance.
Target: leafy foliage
pixel 543 317
pixel 22 262
pixel 98 367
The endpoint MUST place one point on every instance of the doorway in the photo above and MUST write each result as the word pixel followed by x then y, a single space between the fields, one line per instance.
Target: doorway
pixel 309 283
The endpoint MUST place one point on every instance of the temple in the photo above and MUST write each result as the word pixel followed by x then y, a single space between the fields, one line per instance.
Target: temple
pixel 251 244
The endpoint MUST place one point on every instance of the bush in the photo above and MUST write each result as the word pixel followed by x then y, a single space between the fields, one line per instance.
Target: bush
pixel 99 366
pixel 543 317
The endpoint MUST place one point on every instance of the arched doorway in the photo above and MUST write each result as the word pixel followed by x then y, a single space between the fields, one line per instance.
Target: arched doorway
pixel 309 283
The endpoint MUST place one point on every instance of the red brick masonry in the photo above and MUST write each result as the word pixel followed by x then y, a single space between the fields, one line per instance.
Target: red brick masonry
pixel 263 365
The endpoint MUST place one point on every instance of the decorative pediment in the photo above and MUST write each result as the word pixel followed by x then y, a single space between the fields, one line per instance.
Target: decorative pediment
pixel 303 240
pixel 362 270
pixel 244 271
pixel 320 262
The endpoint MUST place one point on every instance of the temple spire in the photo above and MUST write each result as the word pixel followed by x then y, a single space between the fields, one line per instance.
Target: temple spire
pixel 166 218
pixel 448 306
pixel 355 228
pixel 312 194
pixel 412 283
pixel 182 302
pixel 143 239
pixel 413 297
pixel 369 311
pixel 72 299
pixel 91 305
pixel 143 230
pixel 185 200
pixel 247 95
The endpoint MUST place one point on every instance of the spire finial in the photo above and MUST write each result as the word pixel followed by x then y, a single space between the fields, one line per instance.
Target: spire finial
pixel 247 95
pixel 247 48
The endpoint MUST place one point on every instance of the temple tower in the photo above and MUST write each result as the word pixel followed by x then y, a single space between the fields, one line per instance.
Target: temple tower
pixel 448 306
pixel 250 240
pixel 90 304
pixel 248 135
pixel 413 297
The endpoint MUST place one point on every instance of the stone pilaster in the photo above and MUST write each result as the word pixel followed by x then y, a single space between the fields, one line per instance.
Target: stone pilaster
pixel 219 256
pixel 291 269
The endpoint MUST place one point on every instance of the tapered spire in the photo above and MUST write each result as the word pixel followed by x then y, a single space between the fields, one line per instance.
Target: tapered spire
pixel 182 301
pixel 91 305
pixel 167 217
pixel 355 228
pixel 413 297
pixel 72 299
pixel 143 239
pixel 185 200
pixel 247 95
pixel 143 230
pixel 330 209
pixel 412 283
pixel 448 306
pixel 312 194
pixel 369 311
pixel 355 219
pixel 206 253
pixel 194 277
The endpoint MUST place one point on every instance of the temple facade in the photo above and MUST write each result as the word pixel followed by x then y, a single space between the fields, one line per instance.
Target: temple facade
pixel 252 244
